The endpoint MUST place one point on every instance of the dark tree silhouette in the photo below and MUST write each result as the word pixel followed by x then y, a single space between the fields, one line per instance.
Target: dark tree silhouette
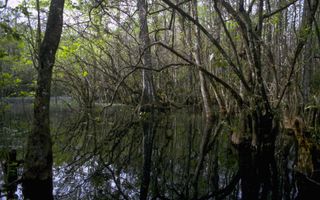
pixel 37 177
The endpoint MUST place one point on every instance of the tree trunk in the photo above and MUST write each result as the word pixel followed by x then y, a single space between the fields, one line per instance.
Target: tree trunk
pixel 147 99
pixel 37 176
pixel 307 56
pixel 207 106
pixel 148 91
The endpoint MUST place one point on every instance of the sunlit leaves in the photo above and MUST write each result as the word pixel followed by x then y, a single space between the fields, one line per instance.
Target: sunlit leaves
pixel 26 94
pixel 6 79
pixel 15 62
pixel 85 73
pixel 8 82
pixel 68 50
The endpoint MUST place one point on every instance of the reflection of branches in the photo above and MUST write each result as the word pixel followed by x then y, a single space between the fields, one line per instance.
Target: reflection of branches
pixel 308 179
pixel 110 146
pixel 5 4
pixel 117 182
pixel 221 194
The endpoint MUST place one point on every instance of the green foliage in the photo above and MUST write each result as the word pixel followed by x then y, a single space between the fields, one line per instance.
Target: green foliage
pixel 68 49
pixel 26 93
pixel 16 66
pixel 6 79
pixel 85 73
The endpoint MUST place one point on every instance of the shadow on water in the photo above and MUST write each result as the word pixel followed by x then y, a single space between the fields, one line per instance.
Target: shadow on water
pixel 117 153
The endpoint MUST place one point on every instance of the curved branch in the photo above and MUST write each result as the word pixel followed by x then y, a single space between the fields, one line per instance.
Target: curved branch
pixel 207 73
pixel 267 15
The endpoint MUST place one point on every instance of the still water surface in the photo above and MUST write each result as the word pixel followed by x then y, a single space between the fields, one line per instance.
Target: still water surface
pixel 106 153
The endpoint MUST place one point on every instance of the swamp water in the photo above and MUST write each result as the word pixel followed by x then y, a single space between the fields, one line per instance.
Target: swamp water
pixel 114 154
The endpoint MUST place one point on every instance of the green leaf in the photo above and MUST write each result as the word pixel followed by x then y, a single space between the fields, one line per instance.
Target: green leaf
pixel 17 81
pixel 84 73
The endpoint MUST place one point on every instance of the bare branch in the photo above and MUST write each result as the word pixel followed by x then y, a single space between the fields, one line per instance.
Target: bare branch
pixel 279 9
pixel 213 40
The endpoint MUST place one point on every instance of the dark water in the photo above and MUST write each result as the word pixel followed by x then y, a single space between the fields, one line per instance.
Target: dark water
pixel 109 154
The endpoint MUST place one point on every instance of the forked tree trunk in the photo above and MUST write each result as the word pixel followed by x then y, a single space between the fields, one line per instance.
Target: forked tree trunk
pixel 37 176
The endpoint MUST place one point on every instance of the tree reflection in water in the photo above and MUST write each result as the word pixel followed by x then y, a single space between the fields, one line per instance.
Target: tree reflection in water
pixel 105 154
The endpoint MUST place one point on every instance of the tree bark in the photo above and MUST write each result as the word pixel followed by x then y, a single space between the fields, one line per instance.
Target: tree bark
pixel 148 91
pixel 37 176
pixel 307 56
pixel 148 98
pixel 207 105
